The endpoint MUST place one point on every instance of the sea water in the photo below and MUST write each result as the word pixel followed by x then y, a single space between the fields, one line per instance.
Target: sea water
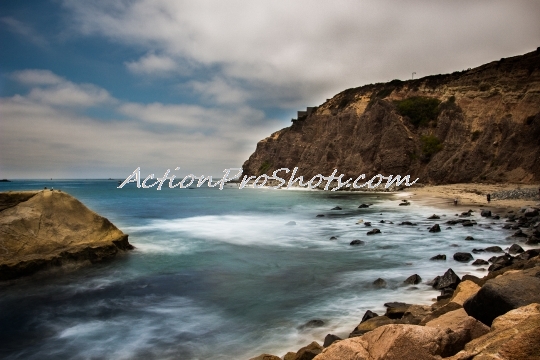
pixel 224 274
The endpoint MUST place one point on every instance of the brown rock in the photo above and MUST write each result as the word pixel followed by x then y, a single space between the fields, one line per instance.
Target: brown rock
pixel 266 357
pixel 43 229
pixel 392 342
pixel 513 335
pixel 464 290
pixel 308 352
pixel 289 356
pixel 370 324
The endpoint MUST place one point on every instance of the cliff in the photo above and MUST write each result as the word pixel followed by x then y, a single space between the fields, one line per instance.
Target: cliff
pixel 481 124
pixel 44 229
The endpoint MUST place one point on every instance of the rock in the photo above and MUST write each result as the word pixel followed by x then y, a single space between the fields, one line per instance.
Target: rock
pixel 396 310
pixel 438 257
pixel 393 342
pixel 333 238
pixel 468 223
pixel 494 249
pixel 357 242
pixel 309 352
pixel 382 221
pixel 46 229
pixel 336 208
pixel 266 357
pixel 448 280
pixel 370 325
pixel 408 223
pixel 367 224
pixel 404 203
pixel 479 262
pixel 448 228
pixel 515 249
pixel 330 339
pixel 504 293
pixel 413 279
pixel 434 217
pixel 463 257
pixel 496 217
pixel 374 231
pixel 464 328
pixel 513 335
pixel 291 223
pixel 380 283
pixel 415 314
pixel 440 310
pixel 485 213
pixel 469 238
pixel 312 324
pixel 528 254
pixel 500 262
pixel 363 206
pixel 478 251
pixel 519 233
pixel 533 240
pixel 530 212
pixel 289 356
pixel 435 228
pixel 464 291
pixel 320 215
pixel 368 315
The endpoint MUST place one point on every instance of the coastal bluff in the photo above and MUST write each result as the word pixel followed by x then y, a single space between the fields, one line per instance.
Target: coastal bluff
pixel 44 229
pixel 474 125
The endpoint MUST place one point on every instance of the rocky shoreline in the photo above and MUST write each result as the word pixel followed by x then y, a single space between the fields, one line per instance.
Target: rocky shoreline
pixel 494 317
pixel 47 229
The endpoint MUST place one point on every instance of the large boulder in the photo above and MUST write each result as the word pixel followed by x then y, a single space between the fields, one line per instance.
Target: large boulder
pixel 393 342
pixel 464 291
pixel 514 335
pixel 370 325
pixel 507 292
pixel 463 257
pixel 45 229
pixel 448 280
pixel 308 352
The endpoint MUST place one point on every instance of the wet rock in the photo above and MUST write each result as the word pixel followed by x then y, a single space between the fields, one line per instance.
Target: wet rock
pixel 309 352
pixel 337 208
pixel 404 203
pixel 330 339
pixel 448 228
pixel 519 233
pixel 357 242
pixel 374 231
pixel 485 213
pixel 370 325
pixel 312 324
pixel 448 280
pixel 468 223
pixel 469 238
pixel 320 215
pixel 528 254
pixel 367 224
pixel 413 279
pixel 368 315
pixel 380 283
pixel 395 310
pixel 382 221
pixel 408 223
pixel 438 257
pixel 496 217
pixel 479 262
pixel 494 249
pixel 515 249
pixel 434 217
pixel 291 223
pixel 333 238
pixel 435 228
pixel 504 293
pixel 363 206
pixel 463 257
pixel 531 212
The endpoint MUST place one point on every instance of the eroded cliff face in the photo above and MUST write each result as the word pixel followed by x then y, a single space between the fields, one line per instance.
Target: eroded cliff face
pixel 485 128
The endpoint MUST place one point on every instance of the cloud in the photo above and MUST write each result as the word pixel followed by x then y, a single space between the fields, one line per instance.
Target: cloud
pixel 312 49
pixel 25 30
pixel 47 133
pixel 152 64
pixel 220 91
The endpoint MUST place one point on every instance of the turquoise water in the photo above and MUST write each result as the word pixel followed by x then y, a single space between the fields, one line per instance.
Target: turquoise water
pixel 220 275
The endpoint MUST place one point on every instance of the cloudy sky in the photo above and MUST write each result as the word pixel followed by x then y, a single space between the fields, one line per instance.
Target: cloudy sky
pixel 96 88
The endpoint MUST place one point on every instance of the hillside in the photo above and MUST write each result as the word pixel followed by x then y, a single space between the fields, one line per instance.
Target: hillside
pixel 481 124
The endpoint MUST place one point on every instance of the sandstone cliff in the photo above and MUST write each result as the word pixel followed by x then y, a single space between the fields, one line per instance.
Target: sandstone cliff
pixel 481 124
pixel 43 229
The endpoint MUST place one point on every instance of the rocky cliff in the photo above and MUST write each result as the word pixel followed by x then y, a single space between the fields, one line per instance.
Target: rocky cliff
pixel 480 124
pixel 44 229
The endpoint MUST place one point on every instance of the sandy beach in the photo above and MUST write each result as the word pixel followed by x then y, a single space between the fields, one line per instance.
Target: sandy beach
pixel 468 195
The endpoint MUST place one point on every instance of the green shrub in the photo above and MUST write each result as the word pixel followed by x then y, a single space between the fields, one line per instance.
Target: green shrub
pixel 430 145
pixel 420 110
pixel 265 166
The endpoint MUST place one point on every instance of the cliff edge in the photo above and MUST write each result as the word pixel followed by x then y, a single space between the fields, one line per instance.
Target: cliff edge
pixel 480 124
pixel 44 229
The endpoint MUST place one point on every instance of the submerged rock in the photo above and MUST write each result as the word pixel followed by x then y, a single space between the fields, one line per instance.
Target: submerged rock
pixel 357 242
pixel 438 257
pixel 374 231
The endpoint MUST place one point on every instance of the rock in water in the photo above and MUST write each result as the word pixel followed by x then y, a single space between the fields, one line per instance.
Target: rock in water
pixel 373 232
pixel 330 339
pixel 357 242
pixel 485 213
pixel 515 249
pixel 435 228
pixel 448 280
pixel 434 217
pixel 463 257
pixel 413 279
pixel 368 315
pixel 438 257
pixel 56 228
pixel 380 283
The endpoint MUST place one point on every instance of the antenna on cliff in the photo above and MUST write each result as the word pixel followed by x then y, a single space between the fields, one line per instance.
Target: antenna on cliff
pixel 412 77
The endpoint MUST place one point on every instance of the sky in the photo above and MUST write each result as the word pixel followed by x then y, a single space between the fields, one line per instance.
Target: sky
pixel 97 88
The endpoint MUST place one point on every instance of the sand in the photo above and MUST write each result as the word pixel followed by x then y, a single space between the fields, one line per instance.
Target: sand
pixel 469 195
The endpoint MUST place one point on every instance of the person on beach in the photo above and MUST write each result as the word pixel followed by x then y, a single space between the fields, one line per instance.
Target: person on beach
pixel 488 198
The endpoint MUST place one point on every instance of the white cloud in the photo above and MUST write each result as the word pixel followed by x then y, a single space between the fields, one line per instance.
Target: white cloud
pixel 314 49
pixel 220 91
pixel 37 77
pixel 25 30
pixel 152 64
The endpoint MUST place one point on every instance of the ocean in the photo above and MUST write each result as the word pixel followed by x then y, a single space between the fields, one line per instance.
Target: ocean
pixel 224 274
